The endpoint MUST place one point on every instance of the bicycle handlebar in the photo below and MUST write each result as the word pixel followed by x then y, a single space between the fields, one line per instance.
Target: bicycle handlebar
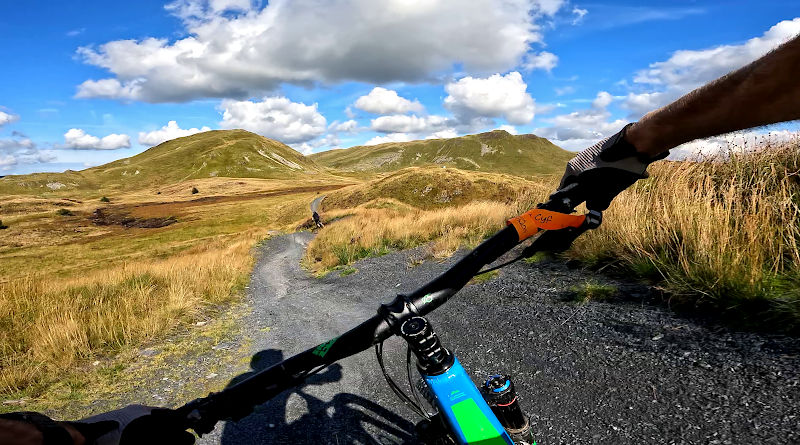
pixel 238 401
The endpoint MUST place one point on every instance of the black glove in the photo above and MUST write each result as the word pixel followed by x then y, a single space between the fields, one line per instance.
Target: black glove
pixel 138 424
pixel 600 173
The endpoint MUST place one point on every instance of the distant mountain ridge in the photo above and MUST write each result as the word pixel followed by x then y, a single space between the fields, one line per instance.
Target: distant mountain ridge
pixel 495 151
pixel 242 154
pixel 224 153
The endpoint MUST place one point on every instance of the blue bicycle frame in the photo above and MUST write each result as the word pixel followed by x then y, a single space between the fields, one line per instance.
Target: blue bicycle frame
pixel 464 410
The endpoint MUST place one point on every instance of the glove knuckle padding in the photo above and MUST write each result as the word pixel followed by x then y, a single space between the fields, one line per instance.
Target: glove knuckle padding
pixel 602 171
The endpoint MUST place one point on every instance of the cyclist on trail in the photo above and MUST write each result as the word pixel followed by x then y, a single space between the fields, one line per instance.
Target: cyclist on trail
pixel 764 92
pixel 315 217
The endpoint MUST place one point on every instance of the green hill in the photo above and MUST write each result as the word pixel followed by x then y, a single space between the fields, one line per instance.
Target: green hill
pixel 432 187
pixel 223 153
pixel 495 151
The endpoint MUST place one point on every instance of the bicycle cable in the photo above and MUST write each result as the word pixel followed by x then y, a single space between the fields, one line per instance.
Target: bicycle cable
pixel 394 387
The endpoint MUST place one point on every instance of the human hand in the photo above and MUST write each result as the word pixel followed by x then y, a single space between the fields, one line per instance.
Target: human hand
pixel 600 173
pixel 139 424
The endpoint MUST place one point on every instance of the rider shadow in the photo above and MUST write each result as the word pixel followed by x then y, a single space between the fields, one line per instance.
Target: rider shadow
pixel 346 419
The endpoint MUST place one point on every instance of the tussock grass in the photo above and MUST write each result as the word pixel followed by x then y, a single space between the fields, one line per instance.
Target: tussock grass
pixel 49 328
pixel 723 233
pixel 720 234
pixel 374 231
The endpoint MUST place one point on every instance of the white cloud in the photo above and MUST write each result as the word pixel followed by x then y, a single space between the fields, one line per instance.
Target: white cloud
pixel 392 137
pixel 349 126
pixel 230 51
pixel 274 117
pixel 6 118
pixel 167 133
pixel 447 133
pixel 400 123
pixel 579 15
pixel 582 128
pixel 543 61
pixel 21 150
pixel 383 101
pixel 329 141
pixel 79 139
pixel 509 128
pixel 732 142
pixel 548 7
pixel 496 96
pixel 686 70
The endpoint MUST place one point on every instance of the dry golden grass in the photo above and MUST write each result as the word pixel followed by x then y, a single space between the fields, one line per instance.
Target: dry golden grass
pixel 72 292
pixel 49 327
pixel 723 232
pixel 378 227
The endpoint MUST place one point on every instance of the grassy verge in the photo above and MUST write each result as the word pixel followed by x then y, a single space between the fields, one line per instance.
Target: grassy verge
pixel 722 235
pixel 74 293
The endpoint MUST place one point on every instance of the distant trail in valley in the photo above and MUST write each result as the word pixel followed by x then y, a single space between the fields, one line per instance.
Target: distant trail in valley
pixel 316 202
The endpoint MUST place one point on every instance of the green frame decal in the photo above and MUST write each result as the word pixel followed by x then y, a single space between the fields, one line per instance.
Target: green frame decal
pixel 475 425
pixel 322 349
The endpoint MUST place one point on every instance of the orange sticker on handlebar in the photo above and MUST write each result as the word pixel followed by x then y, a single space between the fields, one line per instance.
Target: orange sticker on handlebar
pixel 531 222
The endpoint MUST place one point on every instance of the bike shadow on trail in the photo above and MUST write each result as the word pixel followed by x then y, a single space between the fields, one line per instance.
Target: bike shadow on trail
pixel 345 419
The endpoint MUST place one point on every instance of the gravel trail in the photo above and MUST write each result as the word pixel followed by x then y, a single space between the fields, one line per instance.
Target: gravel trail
pixel 616 372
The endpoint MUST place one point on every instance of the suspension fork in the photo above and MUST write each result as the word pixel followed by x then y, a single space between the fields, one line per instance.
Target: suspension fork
pixel 461 406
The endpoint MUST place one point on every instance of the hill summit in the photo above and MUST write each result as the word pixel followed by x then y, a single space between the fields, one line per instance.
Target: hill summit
pixel 495 151
pixel 223 153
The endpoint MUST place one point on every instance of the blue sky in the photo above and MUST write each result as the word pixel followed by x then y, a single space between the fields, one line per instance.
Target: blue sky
pixel 84 83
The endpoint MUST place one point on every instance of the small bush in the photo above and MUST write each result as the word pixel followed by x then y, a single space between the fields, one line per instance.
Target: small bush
pixel 2 226
pixel 195 191
pixel 64 212
pixel 104 199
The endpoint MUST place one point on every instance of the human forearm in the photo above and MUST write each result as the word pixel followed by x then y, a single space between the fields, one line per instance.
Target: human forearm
pixel 764 92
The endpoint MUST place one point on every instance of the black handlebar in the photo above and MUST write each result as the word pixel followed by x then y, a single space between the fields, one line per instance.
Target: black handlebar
pixel 239 400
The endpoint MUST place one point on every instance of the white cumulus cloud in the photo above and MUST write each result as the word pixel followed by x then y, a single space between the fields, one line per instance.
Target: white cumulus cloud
pixel 541 61
pixel 392 137
pixel 79 139
pixel 167 133
pixel 236 49
pixel 732 142
pixel 6 118
pixel 274 117
pixel 348 126
pixel 686 70
pixel 383 101
pixel 496 96
pixel 400 123
pixel 582 128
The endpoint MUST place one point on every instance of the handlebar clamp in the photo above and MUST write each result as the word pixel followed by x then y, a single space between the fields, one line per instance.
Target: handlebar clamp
pixel 397 312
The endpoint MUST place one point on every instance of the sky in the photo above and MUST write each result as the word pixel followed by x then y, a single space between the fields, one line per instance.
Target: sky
pixel 83 83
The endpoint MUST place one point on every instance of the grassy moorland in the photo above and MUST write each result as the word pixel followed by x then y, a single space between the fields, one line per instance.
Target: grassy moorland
pixel 219 153
pixel 721 235
pixel 73 289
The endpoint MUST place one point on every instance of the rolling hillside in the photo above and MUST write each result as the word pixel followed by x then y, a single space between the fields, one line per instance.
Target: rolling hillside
pixel 495 151
pixel 220 153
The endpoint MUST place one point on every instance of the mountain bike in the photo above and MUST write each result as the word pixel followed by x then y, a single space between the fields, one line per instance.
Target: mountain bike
pixel 463 413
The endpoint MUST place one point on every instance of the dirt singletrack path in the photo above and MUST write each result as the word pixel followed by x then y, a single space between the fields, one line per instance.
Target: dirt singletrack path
pixel 617 372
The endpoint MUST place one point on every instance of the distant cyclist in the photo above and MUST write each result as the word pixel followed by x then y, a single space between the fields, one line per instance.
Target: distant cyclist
pixel 317 222
pixel 761 93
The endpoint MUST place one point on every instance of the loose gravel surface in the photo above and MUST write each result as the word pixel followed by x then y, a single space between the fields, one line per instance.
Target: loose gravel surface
pixel 624 371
